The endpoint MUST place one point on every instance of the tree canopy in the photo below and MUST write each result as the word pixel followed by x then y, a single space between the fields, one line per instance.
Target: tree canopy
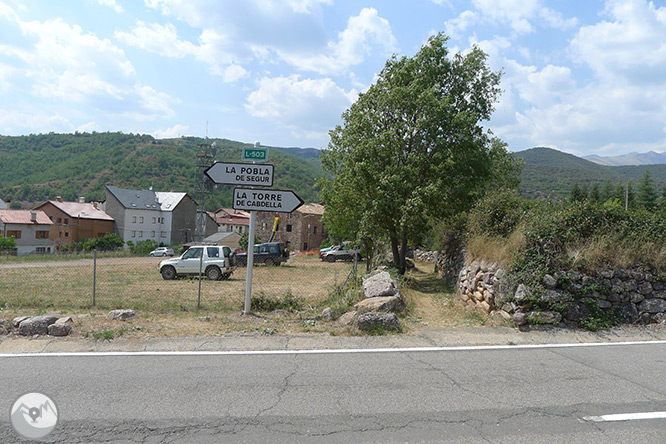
pixel 411 149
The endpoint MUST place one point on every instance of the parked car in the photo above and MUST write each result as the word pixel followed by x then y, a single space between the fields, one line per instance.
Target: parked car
pixel 218 263
pixel 340 252
pixel 323 251
pixel 162 251
pixel 270 253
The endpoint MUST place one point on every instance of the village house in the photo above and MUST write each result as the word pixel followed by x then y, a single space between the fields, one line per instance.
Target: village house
pixel 30 230
pixel 230 220
pixel 301 229
pixel 75 221
pixel 168 218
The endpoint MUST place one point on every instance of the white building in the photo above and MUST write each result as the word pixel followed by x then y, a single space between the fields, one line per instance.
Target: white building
pixel 140 215
pixel 30 230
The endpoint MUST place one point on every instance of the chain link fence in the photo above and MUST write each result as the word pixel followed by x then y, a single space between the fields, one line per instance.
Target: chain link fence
pixel 114 280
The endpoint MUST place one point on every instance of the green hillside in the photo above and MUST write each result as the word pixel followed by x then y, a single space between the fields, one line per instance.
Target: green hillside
pixel 548 173
pixel 36 168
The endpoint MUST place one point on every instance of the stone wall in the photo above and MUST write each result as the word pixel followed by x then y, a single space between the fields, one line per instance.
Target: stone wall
pixel 629 296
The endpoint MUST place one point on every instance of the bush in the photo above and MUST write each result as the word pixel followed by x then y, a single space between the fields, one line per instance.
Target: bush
pixel 108 242
pixel 267 303
pixel 142 248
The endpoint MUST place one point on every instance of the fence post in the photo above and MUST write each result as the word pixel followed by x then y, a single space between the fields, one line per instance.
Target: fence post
pixel 94 275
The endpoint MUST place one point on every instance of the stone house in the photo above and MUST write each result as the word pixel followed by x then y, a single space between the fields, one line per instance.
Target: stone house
pixel 75 221
pixel 230 220
pixel 301 229
pixel 30 229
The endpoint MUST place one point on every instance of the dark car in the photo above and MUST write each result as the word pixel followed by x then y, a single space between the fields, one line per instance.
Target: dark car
pixel 270 253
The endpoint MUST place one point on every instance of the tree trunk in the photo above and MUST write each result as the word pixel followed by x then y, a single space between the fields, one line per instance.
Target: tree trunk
pixel 396 253
pixel 403 256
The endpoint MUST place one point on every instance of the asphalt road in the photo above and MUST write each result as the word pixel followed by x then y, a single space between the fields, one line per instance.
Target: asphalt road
pixel 510 395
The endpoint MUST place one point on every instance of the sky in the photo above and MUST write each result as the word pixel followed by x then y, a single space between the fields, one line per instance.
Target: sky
pixel 584 77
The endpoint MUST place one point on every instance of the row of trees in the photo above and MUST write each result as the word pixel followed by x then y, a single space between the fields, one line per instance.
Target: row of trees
pixel 647 196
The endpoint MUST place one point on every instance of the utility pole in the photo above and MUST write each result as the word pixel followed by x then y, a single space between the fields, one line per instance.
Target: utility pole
pixel 205 157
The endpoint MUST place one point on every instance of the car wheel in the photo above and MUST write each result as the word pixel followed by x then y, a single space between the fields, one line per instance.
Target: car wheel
pixel 213 273
pixel 168 273
pixel 330 258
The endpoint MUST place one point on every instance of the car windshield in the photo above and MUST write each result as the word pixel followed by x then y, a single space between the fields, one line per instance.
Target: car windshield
pixel 193 253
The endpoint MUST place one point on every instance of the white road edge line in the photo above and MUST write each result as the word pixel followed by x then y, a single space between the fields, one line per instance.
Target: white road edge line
pixel 626 417
pixel 326 351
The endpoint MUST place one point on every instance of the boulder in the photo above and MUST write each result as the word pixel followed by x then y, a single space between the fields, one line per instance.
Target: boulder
pixel 17 320
pixel 381 303
pixel 522 293
pixel 59 329
pixel 378 285
pixel 576 311
pixel 544 317
pixel 372 320
pixel 627 312
pixel 556 296
pixel 348 318
pixel 520 318
pixel 549 281
pixel 604 304
pixel 652 306
pixel 327 314
pixel 121 315
pixel 36 325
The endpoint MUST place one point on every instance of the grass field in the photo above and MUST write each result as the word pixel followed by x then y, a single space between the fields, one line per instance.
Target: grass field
pixel 135 282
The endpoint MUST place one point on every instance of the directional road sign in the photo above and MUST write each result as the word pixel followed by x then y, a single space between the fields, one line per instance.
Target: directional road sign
pixel 223 173
pixel 279 201
pixel 255 154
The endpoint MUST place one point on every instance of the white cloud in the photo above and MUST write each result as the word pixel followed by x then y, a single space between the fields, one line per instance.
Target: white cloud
pixel 307 106
pixel 363 32
pixel 171 133
pixel 14 122
pixel 234 73
pixel 111 4
pixel 460 24
pixel 88 127
pixel 159 39
pixel 306 6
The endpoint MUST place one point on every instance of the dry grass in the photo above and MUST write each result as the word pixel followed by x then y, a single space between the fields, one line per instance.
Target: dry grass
pixel 497 250
pixel 617 253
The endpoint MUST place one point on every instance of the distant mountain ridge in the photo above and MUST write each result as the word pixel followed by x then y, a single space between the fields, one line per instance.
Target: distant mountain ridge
pixel 649 158
pixel 550 174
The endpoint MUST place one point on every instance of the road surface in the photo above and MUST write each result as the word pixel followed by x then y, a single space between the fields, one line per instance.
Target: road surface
pixel 554 394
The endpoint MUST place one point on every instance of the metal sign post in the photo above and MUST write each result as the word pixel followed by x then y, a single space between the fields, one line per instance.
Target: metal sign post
pixel 250 264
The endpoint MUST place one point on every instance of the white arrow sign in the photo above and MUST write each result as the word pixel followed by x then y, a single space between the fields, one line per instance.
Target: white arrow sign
pixel 279 201
pixel 241 174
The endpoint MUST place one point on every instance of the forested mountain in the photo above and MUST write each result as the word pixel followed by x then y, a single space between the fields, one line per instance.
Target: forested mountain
pixel 39 167
pixel 548 173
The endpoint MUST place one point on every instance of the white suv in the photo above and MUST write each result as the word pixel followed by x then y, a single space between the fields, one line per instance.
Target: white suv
pixel 218 263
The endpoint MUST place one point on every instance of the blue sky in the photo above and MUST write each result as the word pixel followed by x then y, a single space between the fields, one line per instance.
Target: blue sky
pixel 585 77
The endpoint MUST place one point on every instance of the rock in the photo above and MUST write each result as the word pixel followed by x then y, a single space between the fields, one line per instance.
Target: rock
pixel 65 320
pixel 556 296
pixel 348 318
pixel 522 293
pixel 604 304
pixel 378 285
pixel 645 288
pixel 621 273
pixel 576 311
pixel 606 274
pixel 121 315
pixel 509 307
pixel 627 312
pixel 614 297
pixel 483 305
pixel 327 314
pixel 370 321
pixel 660 294
pixel 549 281
pixel 506 317
pixel 499 274
pixel 660 318
pixel 631 285
pixel 17 320
pixel 644 318
pixel 204 318
pixel 382 303
pixel 544 317
pixel 635 298
pixel 651 306
pixel 59 329
pixel 520 318
pixel 36 325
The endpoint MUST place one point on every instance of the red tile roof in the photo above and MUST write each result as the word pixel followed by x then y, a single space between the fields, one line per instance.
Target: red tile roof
pixel 79 210
pixel 24 217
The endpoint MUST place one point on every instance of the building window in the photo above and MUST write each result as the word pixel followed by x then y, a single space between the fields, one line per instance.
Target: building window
pixel 66 221
pixel 41 250
pixel 14 233
pixel 133 219
pixel 42 235
pixel 133 233
pixel 141 219
pixel 66 234
pixel 288 228
pixel 154 220
pixel 140 233
pixel 152 234
pixel 60 220
pixel 162 233
pixel 315 230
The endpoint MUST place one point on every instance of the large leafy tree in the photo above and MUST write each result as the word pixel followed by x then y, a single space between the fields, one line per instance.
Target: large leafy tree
pixel 411 149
